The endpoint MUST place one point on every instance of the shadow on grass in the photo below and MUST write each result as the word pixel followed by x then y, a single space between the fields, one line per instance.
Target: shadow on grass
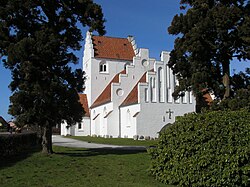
pixel 99 151
pixel 12 160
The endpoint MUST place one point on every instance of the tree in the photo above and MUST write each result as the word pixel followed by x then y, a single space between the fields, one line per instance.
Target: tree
pixel 240 96
pixel 38 39
pixel 210 34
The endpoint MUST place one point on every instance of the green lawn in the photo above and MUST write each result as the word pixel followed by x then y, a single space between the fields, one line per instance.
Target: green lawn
pixel 75 167
pixel 115 141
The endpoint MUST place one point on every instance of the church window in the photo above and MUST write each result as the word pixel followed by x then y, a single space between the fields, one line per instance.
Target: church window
pixel 79 126
pixel 103 67
pixel 145 63
pixel 146 95
pixel 160 84
pixel 128 118
pixel 105 111
pixel 153 91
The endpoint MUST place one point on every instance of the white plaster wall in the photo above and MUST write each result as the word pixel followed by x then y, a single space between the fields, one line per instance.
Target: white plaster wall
pixel 113 124
pixel 88 54
pixel 74 130
pixel 100 80
pixel 129 126
pixel 64 130
pixel 85 130
pixel 99 124
pixel 132 76
pixel 153 116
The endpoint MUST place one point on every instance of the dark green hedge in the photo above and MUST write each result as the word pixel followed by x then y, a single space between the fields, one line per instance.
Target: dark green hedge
pixel 14 144
pixel 210 149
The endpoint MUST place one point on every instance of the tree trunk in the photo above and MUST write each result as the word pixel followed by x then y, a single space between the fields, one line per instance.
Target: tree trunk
pixel 47 139
pixel 226 80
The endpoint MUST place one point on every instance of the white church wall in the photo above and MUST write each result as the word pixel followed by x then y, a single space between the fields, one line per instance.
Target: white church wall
pixel 100 119
pixel 156 112
pixel 98 81
pixel 155 116
pixel 64 129
pixel 129 120
pixel 82 129
pixel 141 64
pixel 88 54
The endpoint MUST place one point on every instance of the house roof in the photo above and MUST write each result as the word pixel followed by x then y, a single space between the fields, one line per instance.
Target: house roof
pixel 132 98
pixel 84 102
pixel 105 96
pixel 113 48
pixel 207 97
pixel 2 120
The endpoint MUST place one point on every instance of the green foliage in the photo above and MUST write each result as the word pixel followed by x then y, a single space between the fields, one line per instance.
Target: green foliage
pixel 38 39
pixel 14 144
pixel 241 99
pixel 209 149
pixel 210 34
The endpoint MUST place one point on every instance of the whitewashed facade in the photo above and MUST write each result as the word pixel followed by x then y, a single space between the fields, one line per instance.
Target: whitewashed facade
pixel 127 95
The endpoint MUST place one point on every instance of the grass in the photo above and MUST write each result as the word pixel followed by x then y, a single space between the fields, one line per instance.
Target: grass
pixel 75 167
pixel 115 141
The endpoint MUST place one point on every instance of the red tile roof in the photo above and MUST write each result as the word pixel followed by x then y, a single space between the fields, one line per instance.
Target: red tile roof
pixel 207 97
pixel 132 98
pixel 84 102
pixel 112 48
pixel 105 96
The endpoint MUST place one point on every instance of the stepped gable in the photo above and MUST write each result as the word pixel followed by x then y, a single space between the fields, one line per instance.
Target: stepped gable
pixel 113 48
pixel 84 102
pixel 132 97
pixel 105 96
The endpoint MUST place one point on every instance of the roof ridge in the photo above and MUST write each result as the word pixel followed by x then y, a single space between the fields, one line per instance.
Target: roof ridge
pixel 110 37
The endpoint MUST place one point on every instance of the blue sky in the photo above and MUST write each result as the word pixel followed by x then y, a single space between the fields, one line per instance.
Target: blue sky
pixel 146 20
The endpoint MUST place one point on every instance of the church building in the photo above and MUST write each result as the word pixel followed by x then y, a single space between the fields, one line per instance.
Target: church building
pixel 128 94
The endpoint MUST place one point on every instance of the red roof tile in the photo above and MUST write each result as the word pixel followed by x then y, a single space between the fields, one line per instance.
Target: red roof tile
pixel 105 96
pixel 84 102
pixel 112 48
pixel 207 97
pixel 132 98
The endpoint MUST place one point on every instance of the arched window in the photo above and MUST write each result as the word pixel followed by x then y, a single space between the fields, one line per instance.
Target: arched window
pixel 103 67
pixel 154 91
pixel 160 85
pixel 104 111
pixel 151 89
pixel 128 118
pixel 146 95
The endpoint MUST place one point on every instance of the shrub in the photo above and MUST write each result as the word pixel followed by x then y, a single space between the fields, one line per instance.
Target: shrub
pixel 14 144
pixel 210 149
pixel 240 99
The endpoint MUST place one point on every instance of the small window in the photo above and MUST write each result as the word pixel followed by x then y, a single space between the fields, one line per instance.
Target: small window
pixel 79 126
pixel 146 95
pixel 103 67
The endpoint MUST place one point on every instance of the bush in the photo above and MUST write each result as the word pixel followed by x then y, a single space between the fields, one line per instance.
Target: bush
pixel 14 144
pixel 240 99
pixel 210 149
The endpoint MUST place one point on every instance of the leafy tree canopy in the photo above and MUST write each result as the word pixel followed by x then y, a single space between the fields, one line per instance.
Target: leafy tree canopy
pixel 38 37
pixel 240 96
pixel 210 34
